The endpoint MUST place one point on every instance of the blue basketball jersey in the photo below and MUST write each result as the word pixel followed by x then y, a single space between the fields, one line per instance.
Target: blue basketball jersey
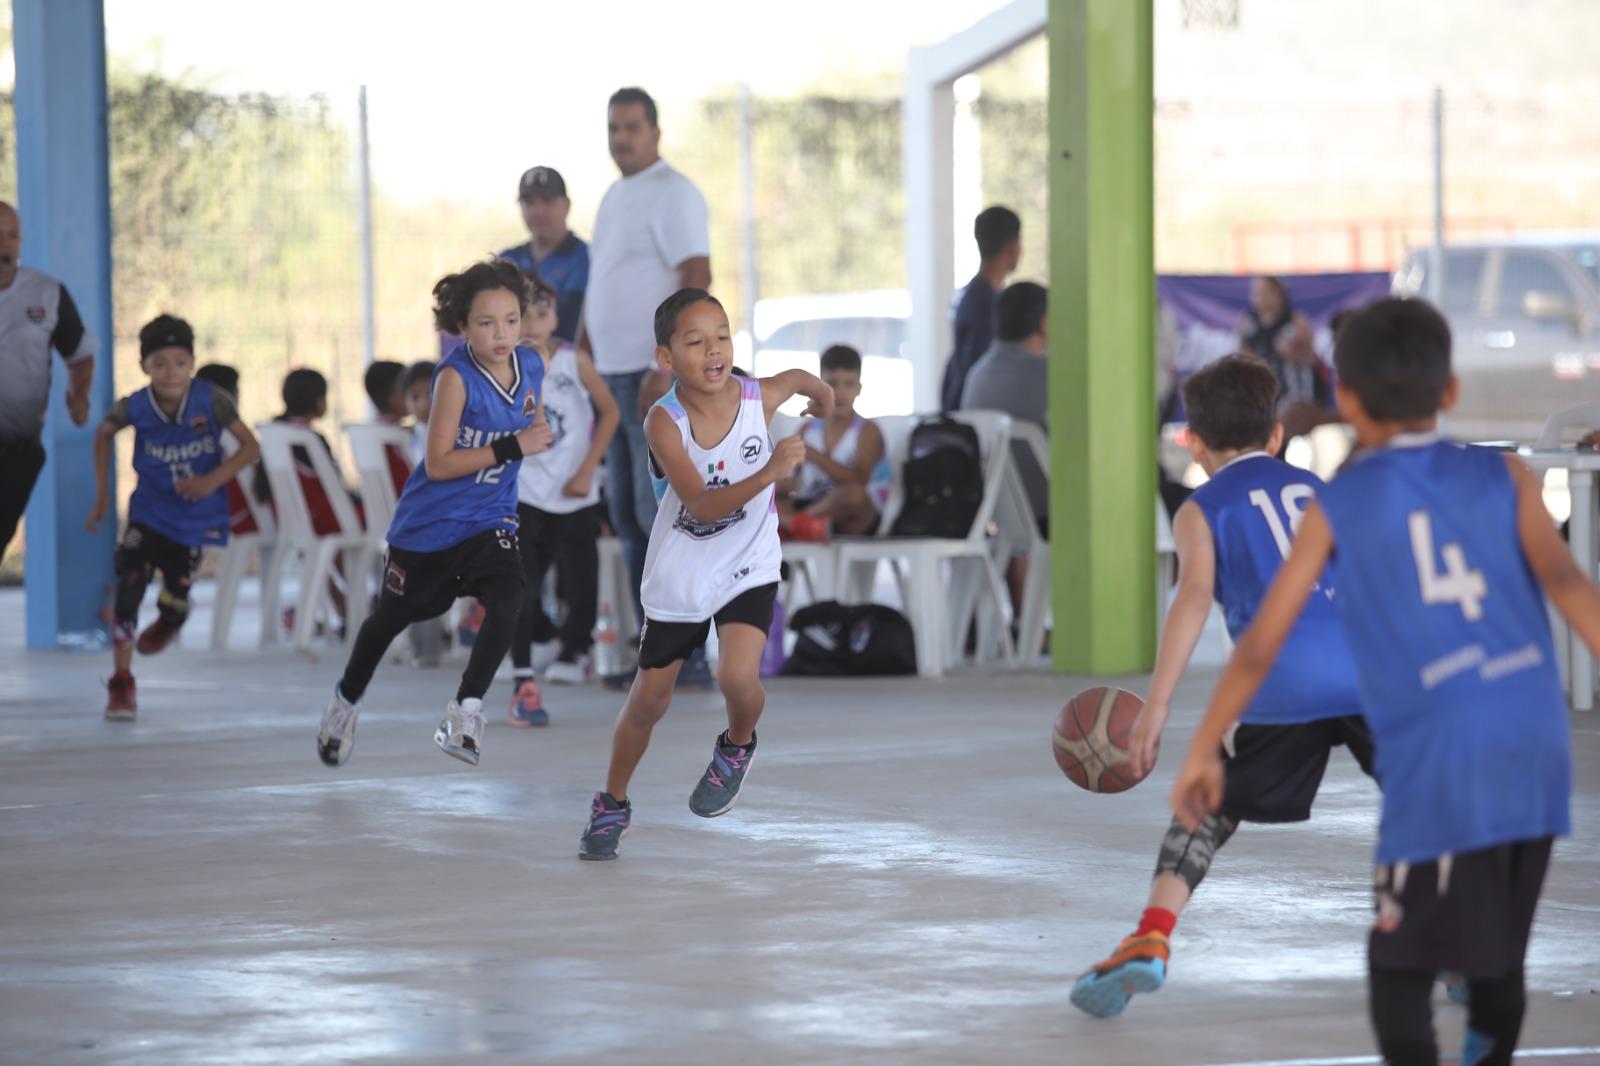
pixel 1449 631
pixel 169 448
pixel 434 515
pixel 1253 506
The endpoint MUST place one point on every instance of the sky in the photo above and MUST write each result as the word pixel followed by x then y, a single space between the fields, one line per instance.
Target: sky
pixel 466 95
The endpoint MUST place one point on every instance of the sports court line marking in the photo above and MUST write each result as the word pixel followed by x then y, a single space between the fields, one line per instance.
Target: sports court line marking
pixel 1370 1060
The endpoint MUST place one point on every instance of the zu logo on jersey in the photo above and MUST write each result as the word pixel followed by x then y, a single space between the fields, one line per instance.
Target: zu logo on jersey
pixel 750 450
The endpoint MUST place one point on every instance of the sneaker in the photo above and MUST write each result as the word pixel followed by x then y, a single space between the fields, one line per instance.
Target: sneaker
pixel 564 671
pixel 1455 986
pixel 156 635
pixel 471 622
pixel 527 706
pixel 1138 965
pixel 337 738
pixel 544 653
pixel 120 703
pixel 718 790
pixel 608 823
pixel 695 672
pixel 461 730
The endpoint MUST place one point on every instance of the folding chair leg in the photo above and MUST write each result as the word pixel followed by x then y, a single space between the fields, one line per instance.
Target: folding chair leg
pixel 927 619
pixel 314 575
pixel 230 571
pixel 998 598
pixel 277 554
pixel 360 563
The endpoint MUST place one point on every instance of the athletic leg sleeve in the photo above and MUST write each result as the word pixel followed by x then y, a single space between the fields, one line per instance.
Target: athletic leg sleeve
pixel 501 603
pixel 1494 1017
pixel 177 575
pixel 1402 1016
pixel 1188 854
pixel 384 624
pixel 531 623
pixel 133 577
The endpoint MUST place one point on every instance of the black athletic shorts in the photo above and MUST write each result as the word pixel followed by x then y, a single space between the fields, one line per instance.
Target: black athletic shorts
pixel 142 549
pixel 1274 771
pixel 423 585
pixel 664 643
pixel 1469 913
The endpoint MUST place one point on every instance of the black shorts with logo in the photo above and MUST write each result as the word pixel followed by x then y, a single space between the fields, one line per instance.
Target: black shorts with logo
pixel 142 550
pixel 1469 913
pixel 664 643
pixel 422 585
pixel 1274 771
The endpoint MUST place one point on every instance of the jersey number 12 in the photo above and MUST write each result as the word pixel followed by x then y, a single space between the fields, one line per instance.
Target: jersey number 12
pixel 1294 499
pixel 1455 583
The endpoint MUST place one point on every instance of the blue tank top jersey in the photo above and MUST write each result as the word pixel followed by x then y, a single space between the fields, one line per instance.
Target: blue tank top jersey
pixel 433 515
pixel 1449 630
pixel 167 449
pixel 1253 506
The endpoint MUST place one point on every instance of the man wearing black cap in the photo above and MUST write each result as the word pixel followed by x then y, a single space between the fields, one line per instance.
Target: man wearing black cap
pixel 555 253
pixel 36 314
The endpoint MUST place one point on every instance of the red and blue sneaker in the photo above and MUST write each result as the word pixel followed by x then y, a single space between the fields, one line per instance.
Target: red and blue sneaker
pixel 527 706
pixel 1138 965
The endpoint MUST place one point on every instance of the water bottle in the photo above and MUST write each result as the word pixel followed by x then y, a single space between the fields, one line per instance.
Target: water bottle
pixel 606 660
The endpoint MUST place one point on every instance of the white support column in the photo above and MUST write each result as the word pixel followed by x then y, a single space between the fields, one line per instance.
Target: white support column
pixel 929 121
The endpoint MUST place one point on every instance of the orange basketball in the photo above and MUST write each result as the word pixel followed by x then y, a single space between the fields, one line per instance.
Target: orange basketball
pixel 1090 739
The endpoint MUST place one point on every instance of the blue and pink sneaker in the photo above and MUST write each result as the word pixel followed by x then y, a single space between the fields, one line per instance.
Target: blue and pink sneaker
pixel 608 820
pixel 718 790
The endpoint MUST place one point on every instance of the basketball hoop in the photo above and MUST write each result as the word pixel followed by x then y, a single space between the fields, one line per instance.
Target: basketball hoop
pixel 1210 14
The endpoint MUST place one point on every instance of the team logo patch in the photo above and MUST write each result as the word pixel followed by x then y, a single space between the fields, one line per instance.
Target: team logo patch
pixel 36 315
pixel 394 579
pixel 530 403
pixel 750 450
pixel 198 423
pixel 705 530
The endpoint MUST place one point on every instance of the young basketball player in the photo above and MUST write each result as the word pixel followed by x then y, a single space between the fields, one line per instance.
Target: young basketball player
pixel 180 503
pixel 845 478
pixel 454 531
pixel 1232 536
pixel 713 554
pixel 1443 554
pixel 557 521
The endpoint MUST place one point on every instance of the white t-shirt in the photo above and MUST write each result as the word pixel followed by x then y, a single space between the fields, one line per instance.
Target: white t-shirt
pixel 694 569
pixel 648 224
pixel 570 413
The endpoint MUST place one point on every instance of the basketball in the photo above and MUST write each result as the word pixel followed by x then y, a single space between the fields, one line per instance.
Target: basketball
pixel 1090 739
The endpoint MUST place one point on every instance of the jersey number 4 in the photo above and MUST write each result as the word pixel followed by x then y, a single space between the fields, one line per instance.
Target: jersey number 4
pixel 1456 583
pixel 1294 499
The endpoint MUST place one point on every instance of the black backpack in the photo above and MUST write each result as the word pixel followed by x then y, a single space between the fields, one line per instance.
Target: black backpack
pixel 851 640
pixel 943 481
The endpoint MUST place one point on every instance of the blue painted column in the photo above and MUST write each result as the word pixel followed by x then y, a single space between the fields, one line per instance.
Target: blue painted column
pixel 64 198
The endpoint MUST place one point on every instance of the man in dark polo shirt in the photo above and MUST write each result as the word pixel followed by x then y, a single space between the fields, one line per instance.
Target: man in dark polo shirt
pixel 36 315
pixel 554 251
pixel 998 231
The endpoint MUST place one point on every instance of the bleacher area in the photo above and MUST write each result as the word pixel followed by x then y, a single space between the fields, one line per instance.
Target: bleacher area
pixel 908 878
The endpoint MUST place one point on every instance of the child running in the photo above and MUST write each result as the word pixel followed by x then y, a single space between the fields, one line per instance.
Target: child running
pixel 557 523
pixel 180 503
pixel 713 554
pixel 455 526
pixel 1232 536
pixel 845 480
pixel 1443 554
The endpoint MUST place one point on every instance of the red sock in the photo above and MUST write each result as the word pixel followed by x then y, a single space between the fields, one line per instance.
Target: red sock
pixel 1156 920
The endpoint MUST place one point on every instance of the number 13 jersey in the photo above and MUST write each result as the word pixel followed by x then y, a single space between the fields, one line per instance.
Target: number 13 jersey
pixel 1450 634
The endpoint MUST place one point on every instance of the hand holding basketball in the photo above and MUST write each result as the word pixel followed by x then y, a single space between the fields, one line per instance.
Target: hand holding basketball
pixel 1092 737
pixel 1144 743
pixel 1198 792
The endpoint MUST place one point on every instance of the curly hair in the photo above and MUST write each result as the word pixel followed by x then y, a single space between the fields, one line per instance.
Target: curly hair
pixel 453 294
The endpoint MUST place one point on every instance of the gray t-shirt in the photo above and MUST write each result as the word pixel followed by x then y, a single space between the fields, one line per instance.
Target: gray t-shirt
pixel 1012 379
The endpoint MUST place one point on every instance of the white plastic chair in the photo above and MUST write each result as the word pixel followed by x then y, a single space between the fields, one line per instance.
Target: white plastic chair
pixel 234 559
pixel 938 604
pixel 1584 416
pixel 369 443
pixel 297 537
pixel 1020 527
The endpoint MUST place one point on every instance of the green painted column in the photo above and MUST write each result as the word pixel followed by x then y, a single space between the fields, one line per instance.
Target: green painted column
pixel 1102 336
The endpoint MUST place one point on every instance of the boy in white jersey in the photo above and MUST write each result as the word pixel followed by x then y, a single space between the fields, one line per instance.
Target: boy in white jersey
pixel 556 514
pixel 714 551
pixel 845 479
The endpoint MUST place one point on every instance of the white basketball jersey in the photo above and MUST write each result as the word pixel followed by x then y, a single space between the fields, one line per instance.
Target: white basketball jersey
pixel 693 569
pixel 570 413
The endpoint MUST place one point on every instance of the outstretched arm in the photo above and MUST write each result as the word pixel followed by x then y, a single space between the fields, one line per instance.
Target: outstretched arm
pixel 707 504
pixel 776 390
pixel 1198 791
pixel 1197 563
pixel 1573 594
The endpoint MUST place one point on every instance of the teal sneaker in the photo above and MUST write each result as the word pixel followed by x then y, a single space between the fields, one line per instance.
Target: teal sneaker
pixel 719 786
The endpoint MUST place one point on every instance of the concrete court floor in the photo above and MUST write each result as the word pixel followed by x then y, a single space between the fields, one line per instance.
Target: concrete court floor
pixel 908 879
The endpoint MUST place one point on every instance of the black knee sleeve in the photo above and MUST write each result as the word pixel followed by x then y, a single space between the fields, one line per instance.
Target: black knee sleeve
pixel 1494 1019
pixel 1188 854
pixel 1400 1002
pixel 133 577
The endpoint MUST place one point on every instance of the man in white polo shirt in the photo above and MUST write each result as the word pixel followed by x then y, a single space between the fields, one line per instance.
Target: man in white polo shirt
pixel 651 238
pixel 36 314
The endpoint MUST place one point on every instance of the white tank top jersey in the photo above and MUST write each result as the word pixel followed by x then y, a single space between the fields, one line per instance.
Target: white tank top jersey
pixel 694 569
pixel 814 483
pixel 570 412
